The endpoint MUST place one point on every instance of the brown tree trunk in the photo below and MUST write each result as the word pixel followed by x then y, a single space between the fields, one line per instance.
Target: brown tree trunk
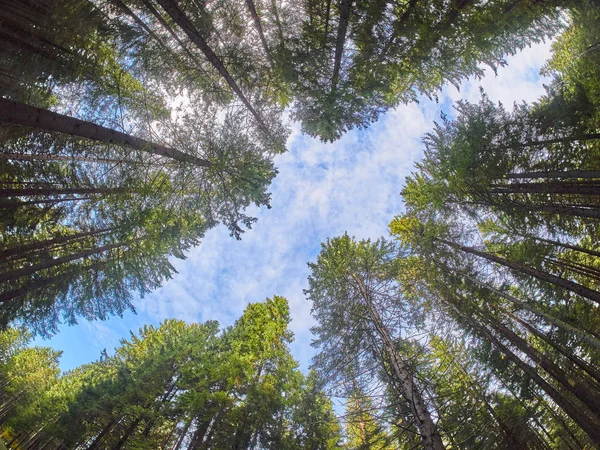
pixel 177 15
pixel 50 201
pixel 589 426
pixel 95 445
pixel 345 6
pixel 32 287
pixel 123 440
pixel 540 275
pixel 182 436
pixel 15 274
pixel 49 244
pixel 29 192
pixel 259 29
pixel 71 158
pixel 586 367
pixel 538 312
pixel 576 386
pixel 553 187
pixel 586 174
pixel 430 436
pixel 21 114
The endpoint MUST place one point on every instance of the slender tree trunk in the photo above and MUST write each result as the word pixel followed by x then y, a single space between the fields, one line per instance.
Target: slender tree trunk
pixel 48 244
pixel 590 370
pixel 95 445
pixel 170 30
pixel 585 174
pixel 71 158
pixel 555 187
pixel 29 192
pixel 577 248
pixel 540 275
pixel 430 436
pixel 259 29
pixel 177 15
pixel 576 386
pixel 538 312
pixel 50 201
pixel 275 13
pixel 123 7
pixel 345 6
pixel 579 269
pixel 326 28
pixel 182 436
pixel 397 29
pixel 21 114
pixel 575 210
pixel 127 434
pixel 590 427
pixel 562 140
pixel 15 274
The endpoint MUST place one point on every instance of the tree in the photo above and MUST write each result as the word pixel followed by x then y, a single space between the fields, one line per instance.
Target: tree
pixel 352 286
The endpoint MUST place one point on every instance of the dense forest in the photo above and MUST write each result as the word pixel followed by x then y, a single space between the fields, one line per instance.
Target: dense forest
pixel 131 128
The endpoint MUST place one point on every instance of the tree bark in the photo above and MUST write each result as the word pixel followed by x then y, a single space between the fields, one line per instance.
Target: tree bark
pixel 345 6
pixel 538 312
pixel 587 368
pixel 540 275
pixel 21 114
pixel 95 445
pixel 50 243
pixel 577 387
pixel 585 174
pixel 430 436
pixel 589 426
pixel 71 158
pixel 123 440
pixel 177 15
pixel 15 274
pixel 259 29
pixel 31 192
pixel 551 187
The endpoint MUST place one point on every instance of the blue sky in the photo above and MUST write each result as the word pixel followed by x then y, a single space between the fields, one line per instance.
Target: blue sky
pixel 322 190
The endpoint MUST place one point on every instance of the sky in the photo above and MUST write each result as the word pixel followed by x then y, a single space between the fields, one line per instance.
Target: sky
pixel 321 191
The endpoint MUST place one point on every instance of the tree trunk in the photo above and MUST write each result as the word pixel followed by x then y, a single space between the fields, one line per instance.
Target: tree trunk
pixel 540 275
pixel 29 192
pixel 583 187
pixel 538 312
pixel 259 29
pixel 50 201
pixel 127 434
pixel 95 445
pixel 430 436
pixel 177 15
pixel 575 211
pixel 577 248
pixel 586 174
pixel 589 426
pixel 579 137
pixel 345 6
pixel 67 158
pixel 49 244
pixel 591 371
pixel 576 386
pixel 21 114
pixel 15 274
pixel 182 436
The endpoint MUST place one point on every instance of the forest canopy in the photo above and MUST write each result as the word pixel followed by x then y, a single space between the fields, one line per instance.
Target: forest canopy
pixel 129 129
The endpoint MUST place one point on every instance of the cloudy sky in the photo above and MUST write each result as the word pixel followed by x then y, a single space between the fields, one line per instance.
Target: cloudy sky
pixel 322 190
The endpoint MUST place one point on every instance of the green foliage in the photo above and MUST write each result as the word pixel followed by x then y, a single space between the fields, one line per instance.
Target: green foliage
pixel 176 381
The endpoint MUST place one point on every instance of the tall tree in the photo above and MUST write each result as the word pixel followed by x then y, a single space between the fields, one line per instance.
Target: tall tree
pixel 351 287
